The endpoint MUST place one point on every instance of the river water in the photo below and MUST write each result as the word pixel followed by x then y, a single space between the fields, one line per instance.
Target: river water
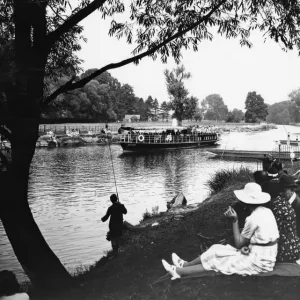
pixel 69 190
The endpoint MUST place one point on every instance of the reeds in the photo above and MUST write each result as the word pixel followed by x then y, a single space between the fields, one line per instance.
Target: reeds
pixel 226 177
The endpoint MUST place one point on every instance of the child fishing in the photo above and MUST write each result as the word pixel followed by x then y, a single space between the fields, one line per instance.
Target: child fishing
pixel 115 212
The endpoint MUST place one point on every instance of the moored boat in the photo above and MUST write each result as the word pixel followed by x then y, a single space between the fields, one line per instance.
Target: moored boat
pixel 289 141
pixel 149 139
pixel 286 150
pixel 48 140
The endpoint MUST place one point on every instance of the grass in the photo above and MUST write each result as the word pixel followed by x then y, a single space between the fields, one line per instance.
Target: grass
pixel 223 178
pixel 149 215
pixel 131 275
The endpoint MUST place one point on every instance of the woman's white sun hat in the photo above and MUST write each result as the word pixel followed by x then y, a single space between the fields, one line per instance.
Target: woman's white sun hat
pixel 252 194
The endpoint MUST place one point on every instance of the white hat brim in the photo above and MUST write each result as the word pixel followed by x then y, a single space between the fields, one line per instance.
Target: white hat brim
pixel 259 198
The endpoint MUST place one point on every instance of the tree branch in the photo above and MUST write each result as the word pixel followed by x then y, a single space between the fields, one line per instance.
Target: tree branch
pixel 72 21
pixel 5 132
pixel 56 13
pixel 71 86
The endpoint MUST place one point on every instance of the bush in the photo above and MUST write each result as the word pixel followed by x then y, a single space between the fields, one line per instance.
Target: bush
pixel 223 178
pixel 148 215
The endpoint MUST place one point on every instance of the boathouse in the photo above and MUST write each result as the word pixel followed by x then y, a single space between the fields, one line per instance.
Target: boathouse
pixel 131 118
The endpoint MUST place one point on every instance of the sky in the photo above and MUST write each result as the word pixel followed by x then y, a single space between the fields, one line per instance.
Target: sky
pixel 220 66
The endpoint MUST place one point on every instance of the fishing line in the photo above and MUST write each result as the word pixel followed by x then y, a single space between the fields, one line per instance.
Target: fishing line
pixel 113 169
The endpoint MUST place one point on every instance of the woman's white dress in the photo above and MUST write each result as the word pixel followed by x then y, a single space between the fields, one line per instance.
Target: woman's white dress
pixel 18 296
pixel 260 228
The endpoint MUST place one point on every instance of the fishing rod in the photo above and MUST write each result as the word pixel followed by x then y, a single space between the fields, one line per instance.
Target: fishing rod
pixel 113 169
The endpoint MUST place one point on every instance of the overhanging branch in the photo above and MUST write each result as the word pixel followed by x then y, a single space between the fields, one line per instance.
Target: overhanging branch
pixel 5 132
pixel 72 21
pixel 71 86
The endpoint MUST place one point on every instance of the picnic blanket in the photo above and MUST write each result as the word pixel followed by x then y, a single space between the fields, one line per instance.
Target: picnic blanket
pixel 280 269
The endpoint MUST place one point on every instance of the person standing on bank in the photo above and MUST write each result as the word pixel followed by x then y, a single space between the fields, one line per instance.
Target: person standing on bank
pixel 115 212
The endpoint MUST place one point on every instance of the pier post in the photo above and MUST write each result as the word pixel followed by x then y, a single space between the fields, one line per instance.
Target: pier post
pixel 279 148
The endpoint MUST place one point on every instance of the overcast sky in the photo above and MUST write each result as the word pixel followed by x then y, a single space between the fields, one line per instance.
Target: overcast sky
pixel 219 67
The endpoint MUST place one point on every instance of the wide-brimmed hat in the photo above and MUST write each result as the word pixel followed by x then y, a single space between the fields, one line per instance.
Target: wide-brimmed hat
pixel 287 181
pixel 252 194
pixel 272 172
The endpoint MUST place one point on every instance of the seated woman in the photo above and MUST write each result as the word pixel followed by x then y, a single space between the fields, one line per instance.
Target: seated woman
pixel 260 177
pixel 281 206
pixel 256 246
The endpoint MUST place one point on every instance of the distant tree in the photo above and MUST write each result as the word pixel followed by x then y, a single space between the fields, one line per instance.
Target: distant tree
pixel 155 108
pixel 141 109
pixel 183 106
pixel 295 96
pixel 214 108
pixel 190 107
pixel 284 112
pixel 165 108
pixel 235 116
pixel 149 107
pixel 256 109
pixel 198 114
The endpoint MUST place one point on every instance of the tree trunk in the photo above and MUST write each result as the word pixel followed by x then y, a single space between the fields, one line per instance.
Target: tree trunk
pixel 37 259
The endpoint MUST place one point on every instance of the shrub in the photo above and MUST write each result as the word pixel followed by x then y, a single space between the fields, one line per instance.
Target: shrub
pixel 223 178
pixel 148 215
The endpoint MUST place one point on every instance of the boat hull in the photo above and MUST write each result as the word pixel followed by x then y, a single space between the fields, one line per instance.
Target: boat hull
pixel 132 146
pixel 252 154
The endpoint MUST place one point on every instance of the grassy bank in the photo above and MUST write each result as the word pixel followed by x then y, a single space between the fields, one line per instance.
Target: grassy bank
pixel 130 276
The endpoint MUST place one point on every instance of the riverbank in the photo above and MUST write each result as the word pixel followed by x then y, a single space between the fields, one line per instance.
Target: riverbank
pixel 248 128
pixel 130 276
pixel 83 136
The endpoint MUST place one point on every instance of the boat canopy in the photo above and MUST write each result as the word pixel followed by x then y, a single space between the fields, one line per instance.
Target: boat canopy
pixel 185 130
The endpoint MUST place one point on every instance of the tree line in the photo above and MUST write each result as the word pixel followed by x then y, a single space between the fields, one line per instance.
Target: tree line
pixel 105 99
pixel 286 112
pixel 102 99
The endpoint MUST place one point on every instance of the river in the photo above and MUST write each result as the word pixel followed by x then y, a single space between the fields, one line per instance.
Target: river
pixel 69 190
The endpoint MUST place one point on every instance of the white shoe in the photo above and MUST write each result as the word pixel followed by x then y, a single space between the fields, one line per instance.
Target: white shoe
pixel 171 269
pixel 177 261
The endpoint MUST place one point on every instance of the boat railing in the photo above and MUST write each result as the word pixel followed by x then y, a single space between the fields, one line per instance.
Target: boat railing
pixel 156 138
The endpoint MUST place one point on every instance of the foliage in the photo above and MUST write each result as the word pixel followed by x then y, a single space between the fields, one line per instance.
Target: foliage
pixel 62 59
pixel 149 215
pixel 256 109
pixel 225 177
pixel 165 108
pixel 235 116
pixel 198 114
pixel 102 99
pixel 295 96
pixel 214 108
pixel 284 112
pixel 152 108
pixel 184 107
